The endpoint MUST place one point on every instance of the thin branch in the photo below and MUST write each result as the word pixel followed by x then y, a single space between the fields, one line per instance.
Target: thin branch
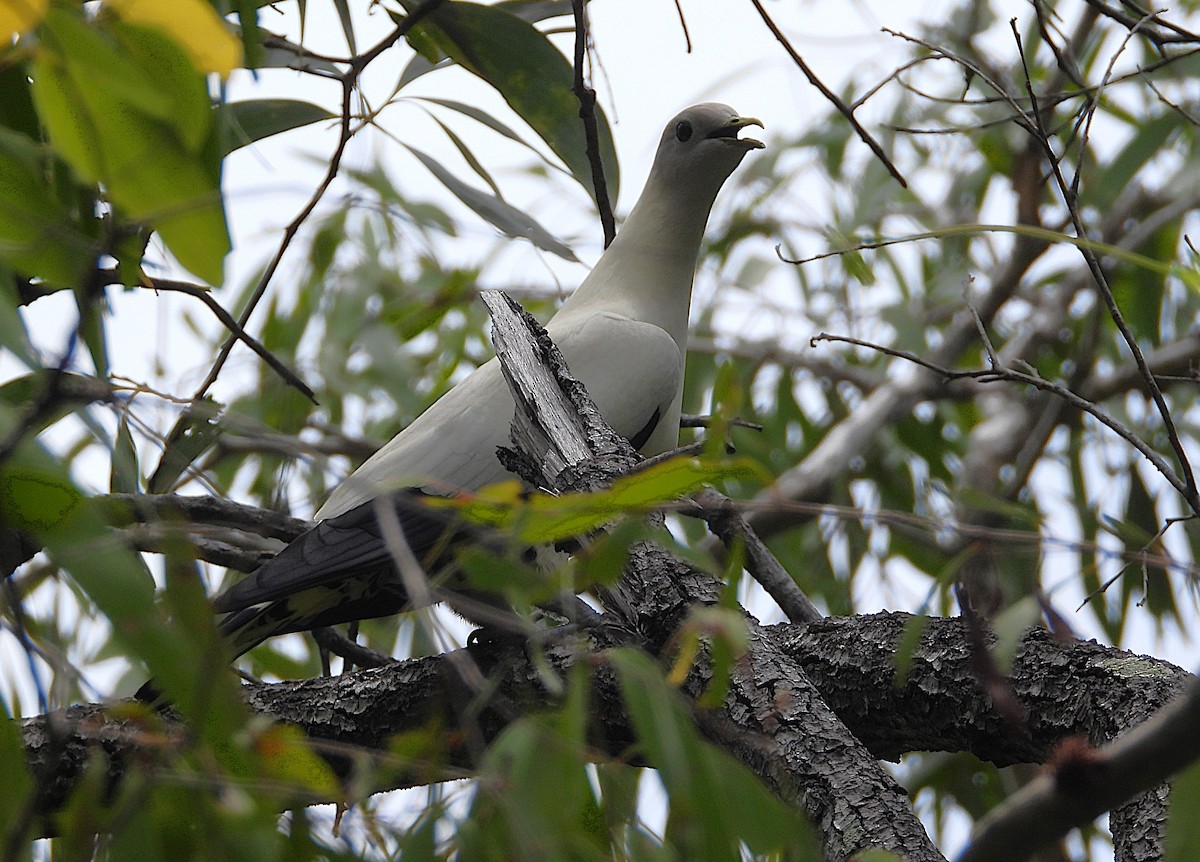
pixel 692 420
pixel 1027 231
pixel 587 113
pixel 338 644
pixel 290 377
pixel 841 106
pixel 124 509
pixel 1086 782
pixel 991 375
pixel 723 518
pixel 1187 488
pixel 1181 36
pixel 349 81
pixel 687 38
pixel 1031 122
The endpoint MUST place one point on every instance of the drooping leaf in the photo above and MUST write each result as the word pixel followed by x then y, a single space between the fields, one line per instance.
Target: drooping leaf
pixel 149 141
pixel 529 72
pixel 254 119
pixel 500 214
pixel 1183 822
pixel 192 435
pixel 123 475
pixel 716 804
pixel 484 118
pixel 347 21
pixel 38 236
pixel 18 783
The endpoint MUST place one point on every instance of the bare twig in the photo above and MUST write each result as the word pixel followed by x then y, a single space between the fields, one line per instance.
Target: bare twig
pixel 1187 486
pixel 841 106
pixel 587 113
pixel 691 420
pixel 990 375
pixel 723 518
pixel 687 38
pixel 276 364
pixel 1176 34
pixel 348 81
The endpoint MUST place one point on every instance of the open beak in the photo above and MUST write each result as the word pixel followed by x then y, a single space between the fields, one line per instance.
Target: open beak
pixel 730 131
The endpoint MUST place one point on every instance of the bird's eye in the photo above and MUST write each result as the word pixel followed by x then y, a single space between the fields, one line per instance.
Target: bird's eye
pixel 683 131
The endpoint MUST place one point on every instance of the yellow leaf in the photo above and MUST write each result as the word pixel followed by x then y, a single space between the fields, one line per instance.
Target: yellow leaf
pixel 193 24
pixel 17 16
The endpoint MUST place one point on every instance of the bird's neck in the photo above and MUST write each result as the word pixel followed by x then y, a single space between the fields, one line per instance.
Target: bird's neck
pixel 647 271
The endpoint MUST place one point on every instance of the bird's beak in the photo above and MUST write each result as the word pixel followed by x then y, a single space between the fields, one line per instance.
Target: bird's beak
pixel 730 130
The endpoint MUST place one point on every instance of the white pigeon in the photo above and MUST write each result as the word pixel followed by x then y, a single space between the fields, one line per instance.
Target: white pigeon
pixel 623 333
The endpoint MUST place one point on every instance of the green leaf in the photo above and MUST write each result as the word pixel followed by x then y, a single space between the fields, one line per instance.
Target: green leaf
pixel 254 119
pixel 716 804
pixel 501 215
pixel 123 476
pixel 469 158
pixel 1010 626
pixel 92 332
pixel 38 498
pixel 192 435
pixel 72 391
pixel 1139 291
pixel 533 799
pixel 1183 819
pixel 288 758
pixel 343 11
pixel 906 648
pixel 541 518
pixel 17 113
pixel 38 237
pixel 1147 143
pixel 483 117
pixel 102 59
pixel 1140 531
pixel 158 164
pixel 18 783
pixel 529 72
pixel 13 334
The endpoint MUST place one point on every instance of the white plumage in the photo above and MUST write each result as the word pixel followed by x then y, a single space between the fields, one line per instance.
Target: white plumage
pixel 623 332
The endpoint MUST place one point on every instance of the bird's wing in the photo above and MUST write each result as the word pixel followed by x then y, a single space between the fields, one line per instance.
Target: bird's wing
pixel 452 445
pixel 341 570
pixel 632 370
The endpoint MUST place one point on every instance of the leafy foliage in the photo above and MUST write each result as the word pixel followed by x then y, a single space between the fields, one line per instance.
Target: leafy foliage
pixel 877 482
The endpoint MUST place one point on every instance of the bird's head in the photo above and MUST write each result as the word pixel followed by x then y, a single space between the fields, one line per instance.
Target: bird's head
pixel 701 145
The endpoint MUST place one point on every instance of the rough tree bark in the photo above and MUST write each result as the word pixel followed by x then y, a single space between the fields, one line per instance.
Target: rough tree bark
pixel 811 708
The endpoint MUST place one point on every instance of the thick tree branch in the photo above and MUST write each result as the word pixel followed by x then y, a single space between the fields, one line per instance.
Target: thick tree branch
pixel 779 726
pixel 1066 688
